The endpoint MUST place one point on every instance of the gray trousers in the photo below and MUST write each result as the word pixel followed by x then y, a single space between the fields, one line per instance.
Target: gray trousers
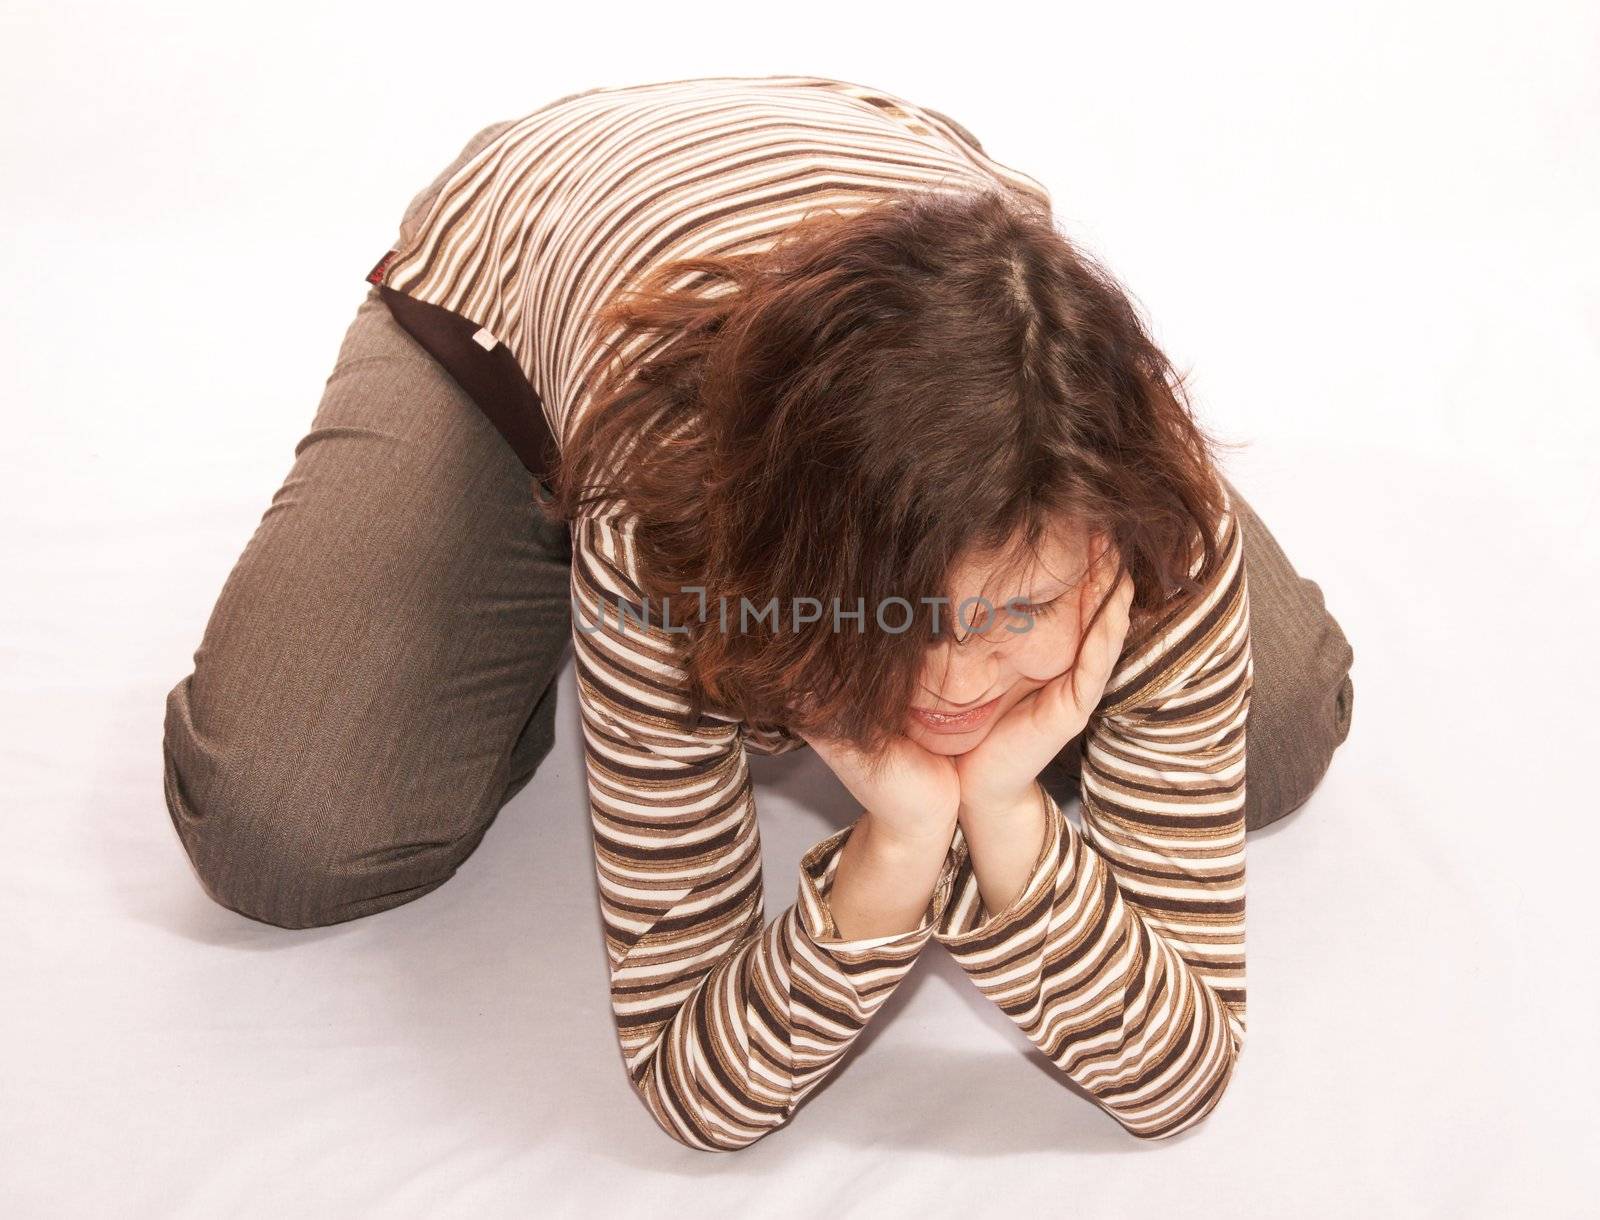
pixel 377 678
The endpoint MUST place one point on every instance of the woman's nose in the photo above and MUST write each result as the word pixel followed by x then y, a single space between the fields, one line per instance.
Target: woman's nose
pixel 962 675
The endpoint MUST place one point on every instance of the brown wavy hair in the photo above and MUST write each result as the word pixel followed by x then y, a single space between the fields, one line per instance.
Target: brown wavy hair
pixel 845 414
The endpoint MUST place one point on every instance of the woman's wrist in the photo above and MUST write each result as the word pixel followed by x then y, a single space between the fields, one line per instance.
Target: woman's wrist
pixel 885 879
pixel 1020 807
pixel 892 839
pixel 1004 840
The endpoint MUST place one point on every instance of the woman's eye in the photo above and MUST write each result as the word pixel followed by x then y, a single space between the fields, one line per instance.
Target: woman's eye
pixel 1035 609
pixel 986 624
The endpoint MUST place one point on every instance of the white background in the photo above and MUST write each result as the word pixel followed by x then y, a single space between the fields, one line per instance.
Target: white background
pixel 1368 233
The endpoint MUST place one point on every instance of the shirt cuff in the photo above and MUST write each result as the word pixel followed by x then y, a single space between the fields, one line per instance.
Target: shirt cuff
pixel 1026 905
pixel 817 869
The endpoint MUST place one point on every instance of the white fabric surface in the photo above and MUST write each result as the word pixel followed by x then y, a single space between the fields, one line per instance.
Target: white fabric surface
pixel 1370 235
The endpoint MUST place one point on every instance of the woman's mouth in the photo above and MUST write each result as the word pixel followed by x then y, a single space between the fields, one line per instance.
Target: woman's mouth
pixel 955 722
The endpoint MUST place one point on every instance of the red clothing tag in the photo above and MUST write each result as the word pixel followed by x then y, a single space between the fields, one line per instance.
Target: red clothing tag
pixel 375 276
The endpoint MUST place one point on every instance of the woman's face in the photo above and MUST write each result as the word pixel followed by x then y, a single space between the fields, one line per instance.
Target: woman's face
pixel 966 687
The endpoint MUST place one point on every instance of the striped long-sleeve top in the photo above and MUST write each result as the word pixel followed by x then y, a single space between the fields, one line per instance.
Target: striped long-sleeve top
pixel 1122 958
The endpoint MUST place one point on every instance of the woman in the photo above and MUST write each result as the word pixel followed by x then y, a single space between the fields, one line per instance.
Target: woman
pixel 788 406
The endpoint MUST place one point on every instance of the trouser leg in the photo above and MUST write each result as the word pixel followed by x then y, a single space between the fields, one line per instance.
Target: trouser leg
pixel 378 674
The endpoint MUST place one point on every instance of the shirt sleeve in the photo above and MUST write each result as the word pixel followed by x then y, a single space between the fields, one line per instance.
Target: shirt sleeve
pixel 1122 958
pixel 726 1020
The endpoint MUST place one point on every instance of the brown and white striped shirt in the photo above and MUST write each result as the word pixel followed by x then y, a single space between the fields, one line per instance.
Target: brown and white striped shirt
pixel 1123 956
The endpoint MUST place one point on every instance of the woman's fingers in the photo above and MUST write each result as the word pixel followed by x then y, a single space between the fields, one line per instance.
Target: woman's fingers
pixel 1063 704
pixel 833 752
pixel 854 765
pixel 1101 646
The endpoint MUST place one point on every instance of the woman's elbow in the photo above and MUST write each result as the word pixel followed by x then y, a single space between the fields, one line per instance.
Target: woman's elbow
pixel 703 1138
pixel 1192 1110
pixel 705 1127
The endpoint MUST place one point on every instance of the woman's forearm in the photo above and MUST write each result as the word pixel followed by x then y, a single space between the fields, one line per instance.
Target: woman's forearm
pixel 884 882
pixel 1004 844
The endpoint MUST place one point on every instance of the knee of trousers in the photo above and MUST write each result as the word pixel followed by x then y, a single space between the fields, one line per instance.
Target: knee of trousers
pixel 1301 708
pixel 268 846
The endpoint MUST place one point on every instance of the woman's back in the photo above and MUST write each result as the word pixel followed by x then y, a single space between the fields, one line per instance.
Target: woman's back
pixel 564 206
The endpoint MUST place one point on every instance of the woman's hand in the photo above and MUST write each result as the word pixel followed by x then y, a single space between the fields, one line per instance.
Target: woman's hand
pixel 911 795
pixel 998 775
pixel 890 863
